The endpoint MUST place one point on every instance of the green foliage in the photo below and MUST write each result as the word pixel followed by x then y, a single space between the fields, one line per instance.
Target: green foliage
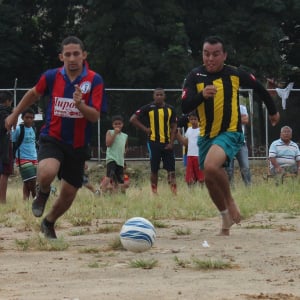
pixel 145 44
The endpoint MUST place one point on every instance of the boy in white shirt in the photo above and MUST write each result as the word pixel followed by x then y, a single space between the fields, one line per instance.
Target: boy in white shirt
pixel 193 172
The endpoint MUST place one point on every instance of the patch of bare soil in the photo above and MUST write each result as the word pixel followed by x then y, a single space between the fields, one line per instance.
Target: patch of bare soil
pixel 263 254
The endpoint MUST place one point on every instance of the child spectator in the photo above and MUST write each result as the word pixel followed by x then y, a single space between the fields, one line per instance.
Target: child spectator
pixel 6 153
pixel 116 143
pixel 24 140
pixel 193 172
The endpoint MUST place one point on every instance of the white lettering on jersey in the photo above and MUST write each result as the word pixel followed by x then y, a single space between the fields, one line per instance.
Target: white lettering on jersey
pixel 65 108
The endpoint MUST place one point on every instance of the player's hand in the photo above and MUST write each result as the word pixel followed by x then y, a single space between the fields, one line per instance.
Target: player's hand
pixel 148 131
pixel 11 122
pixel 77 95
pixel 209 91
pixel 274 119
pixel 169 147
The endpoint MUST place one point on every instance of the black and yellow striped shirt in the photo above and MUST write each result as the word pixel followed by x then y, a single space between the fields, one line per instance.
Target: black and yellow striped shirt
pixel 159 120
pixel 221 113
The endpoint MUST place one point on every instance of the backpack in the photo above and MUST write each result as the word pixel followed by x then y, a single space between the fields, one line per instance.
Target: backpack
pixel 17 144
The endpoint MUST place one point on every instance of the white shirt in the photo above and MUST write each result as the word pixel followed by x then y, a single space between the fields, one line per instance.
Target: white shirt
pixel 243 110
pixel 192 135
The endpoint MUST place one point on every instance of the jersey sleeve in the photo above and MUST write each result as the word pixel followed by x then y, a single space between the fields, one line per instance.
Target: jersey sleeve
pixel 41 85
pixel 249 81
pixel 190 97
pixel 141 112
pixel 173 118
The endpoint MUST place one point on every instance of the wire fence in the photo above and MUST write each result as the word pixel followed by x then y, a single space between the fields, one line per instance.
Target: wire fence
pixel 137 150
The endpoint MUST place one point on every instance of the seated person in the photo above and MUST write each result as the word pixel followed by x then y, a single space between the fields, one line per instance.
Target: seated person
pixel 284 154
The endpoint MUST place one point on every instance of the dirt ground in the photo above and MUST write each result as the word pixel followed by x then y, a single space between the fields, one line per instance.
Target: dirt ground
pixel 264 254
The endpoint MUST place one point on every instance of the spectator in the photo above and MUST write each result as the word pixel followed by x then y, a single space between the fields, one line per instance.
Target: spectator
pixel 116 142
pixel 242 155
pixel 284 154
pixel 193 173
pixel 6 153
pixel 24 140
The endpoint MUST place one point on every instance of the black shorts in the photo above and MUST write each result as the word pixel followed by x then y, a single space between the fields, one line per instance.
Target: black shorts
pixel 115 172
pixel 157 154
pixel 71 160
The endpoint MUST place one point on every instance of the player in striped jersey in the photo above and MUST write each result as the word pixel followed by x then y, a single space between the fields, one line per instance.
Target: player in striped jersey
pixel 213 89
pixel 158 120
pixel 75 96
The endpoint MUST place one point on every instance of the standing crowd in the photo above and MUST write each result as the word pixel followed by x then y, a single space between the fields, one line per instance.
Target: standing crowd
pixel 215 123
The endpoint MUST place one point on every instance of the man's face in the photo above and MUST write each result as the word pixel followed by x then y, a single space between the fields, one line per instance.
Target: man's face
pixel 73 57
pixel 213 57
pixel 159 97
pixel 286 135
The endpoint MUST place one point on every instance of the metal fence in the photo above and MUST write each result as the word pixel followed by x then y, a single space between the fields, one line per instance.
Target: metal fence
pixel 139 152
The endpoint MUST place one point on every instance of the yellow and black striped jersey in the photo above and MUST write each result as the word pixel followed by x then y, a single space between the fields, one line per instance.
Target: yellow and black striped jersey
pixel 221 113
pixel 159 120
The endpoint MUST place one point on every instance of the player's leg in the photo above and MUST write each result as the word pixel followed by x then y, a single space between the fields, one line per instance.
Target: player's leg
pixel 168 159
pixel 155 157
pixel 217 183
pixel 217 152
pixel 71 180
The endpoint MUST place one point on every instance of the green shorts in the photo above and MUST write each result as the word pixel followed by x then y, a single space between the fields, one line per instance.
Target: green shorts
pixel 230 142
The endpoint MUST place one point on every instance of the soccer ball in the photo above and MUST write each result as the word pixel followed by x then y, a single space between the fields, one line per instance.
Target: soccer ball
pixel 137 234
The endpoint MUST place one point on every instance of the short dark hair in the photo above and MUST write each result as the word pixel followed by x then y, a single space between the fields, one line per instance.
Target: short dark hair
pixel 117 118
pixel 72 40
pixel 27 111
pixel 215 39
pixel 193 114
pixel 5 95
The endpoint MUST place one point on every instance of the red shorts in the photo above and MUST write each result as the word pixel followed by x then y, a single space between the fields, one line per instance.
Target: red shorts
pixel 193 172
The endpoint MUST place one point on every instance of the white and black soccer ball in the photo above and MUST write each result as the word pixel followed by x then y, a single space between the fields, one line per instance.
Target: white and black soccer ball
pixel 137 234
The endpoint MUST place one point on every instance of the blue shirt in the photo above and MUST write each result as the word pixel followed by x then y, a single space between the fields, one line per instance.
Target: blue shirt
pixel 28 146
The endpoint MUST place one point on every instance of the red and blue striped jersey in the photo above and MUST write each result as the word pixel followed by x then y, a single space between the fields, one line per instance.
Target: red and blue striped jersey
pixel 63 121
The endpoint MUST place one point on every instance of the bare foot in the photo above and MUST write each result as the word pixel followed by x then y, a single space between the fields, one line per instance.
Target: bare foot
pixel 234 212
pixel 224 232
pixel 227 222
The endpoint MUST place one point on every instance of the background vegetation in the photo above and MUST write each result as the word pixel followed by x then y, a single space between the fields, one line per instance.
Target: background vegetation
pixel 144 44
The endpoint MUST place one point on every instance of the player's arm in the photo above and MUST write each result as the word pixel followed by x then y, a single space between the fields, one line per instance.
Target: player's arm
pixel 248 80
pixel 89 112
pixel 191 99
pixel 30 97
pixel 181 139
pixel 135 121
pixel 173 132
